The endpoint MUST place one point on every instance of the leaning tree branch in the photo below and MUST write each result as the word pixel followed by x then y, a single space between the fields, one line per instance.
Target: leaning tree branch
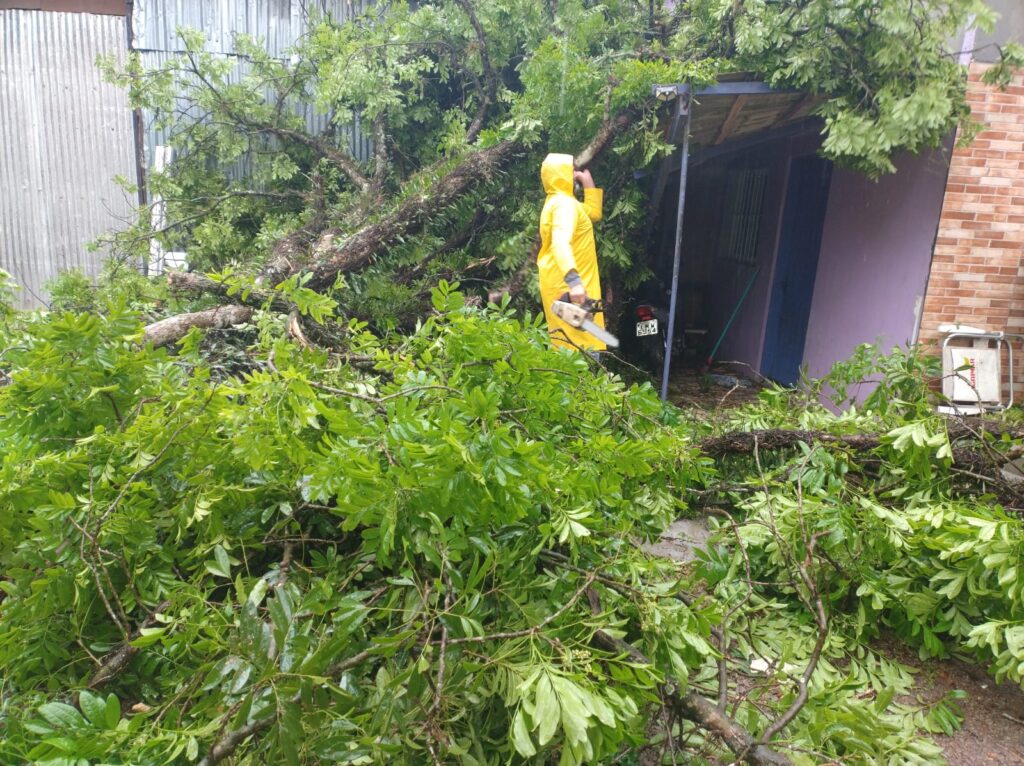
pixel 339 156
pixel 337 253
pixel 458 240
pixel 348 164
pixel 358 249
pixel 289 252
pixel 609 129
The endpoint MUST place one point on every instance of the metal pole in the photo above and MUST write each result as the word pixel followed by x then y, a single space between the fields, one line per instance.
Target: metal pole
pixel 683 164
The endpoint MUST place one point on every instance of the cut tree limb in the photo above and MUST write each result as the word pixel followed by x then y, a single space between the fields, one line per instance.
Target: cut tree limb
pixel 174 328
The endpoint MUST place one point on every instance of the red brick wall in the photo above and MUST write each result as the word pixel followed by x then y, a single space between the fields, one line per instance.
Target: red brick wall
pixel 977 274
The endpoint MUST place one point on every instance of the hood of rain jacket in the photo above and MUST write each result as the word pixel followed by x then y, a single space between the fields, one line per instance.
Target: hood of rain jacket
pixel 556 173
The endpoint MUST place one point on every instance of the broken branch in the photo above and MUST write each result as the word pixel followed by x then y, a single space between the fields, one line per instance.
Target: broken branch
pixel 174 328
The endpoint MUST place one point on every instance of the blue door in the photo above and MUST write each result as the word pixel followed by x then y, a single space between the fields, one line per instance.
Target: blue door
pixel 803 219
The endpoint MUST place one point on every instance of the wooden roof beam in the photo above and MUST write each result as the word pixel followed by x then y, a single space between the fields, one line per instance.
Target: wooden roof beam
pixel 729 125
pixel 798 106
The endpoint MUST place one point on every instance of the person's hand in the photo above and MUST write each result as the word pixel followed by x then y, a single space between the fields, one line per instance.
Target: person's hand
pixel 578 294
pixel 584 178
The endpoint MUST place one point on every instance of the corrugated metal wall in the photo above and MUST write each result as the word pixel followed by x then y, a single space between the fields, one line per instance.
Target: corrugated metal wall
pixel 64 135
pixel 278 23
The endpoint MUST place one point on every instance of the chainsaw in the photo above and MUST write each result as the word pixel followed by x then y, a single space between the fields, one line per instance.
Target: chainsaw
pixel 581 316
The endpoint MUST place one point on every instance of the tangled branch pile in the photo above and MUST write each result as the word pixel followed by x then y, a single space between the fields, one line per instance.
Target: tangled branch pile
pixel 428 551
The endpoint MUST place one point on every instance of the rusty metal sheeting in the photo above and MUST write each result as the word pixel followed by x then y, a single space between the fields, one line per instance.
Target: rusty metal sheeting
pixel 64 135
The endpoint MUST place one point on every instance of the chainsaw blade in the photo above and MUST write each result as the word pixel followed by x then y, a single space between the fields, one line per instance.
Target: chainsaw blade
pixel 600 333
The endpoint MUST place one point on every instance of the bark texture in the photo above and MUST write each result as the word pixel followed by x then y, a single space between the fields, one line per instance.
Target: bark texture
pixel 174 328
pixel 744 442
pixel 611 127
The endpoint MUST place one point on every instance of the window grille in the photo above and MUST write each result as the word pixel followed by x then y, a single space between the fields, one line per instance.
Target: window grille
pixel 741 219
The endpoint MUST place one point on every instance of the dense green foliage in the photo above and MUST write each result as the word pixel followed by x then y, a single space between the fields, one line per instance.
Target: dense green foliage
pixel 915 543
pixel 404 554
pixel 135 490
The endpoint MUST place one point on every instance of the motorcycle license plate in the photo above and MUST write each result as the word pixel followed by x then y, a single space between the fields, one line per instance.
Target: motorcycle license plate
pixel 650 327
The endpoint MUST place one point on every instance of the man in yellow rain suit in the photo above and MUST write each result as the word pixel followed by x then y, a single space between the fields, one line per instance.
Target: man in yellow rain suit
pixel 567 260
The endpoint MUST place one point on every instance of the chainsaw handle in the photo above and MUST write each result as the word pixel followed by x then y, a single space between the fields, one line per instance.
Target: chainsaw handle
pixel 590 304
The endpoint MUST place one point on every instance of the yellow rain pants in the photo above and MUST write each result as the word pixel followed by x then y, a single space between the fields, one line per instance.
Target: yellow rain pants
pixel 567 243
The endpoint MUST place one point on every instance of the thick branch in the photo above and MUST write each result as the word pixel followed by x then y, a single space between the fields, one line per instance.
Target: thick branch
pixel 744 442
pixel 706 714
pixel 118 660
pixel 171 329
pixel 359 249
pixel 490 89
pixel 609 130
pixel 348 164
pixel 200 284
pixel 972 454
pixel 457 240
pixel 290 251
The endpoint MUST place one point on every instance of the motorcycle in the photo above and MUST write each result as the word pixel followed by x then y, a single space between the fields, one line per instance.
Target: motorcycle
pixel 645 330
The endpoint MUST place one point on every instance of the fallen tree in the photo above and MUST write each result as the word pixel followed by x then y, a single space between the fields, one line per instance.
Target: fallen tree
pixel 426 548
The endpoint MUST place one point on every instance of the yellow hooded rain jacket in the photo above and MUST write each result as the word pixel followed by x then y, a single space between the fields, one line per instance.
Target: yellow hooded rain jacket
pixel 566 243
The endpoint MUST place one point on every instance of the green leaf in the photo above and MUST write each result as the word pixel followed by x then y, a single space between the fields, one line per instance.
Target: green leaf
pixel 94 707
pixel 62 716
pixel 111 712
pixel 547 713
pixel 521 736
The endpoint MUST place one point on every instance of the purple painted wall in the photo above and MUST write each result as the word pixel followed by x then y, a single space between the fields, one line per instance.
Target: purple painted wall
pixel 875 255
